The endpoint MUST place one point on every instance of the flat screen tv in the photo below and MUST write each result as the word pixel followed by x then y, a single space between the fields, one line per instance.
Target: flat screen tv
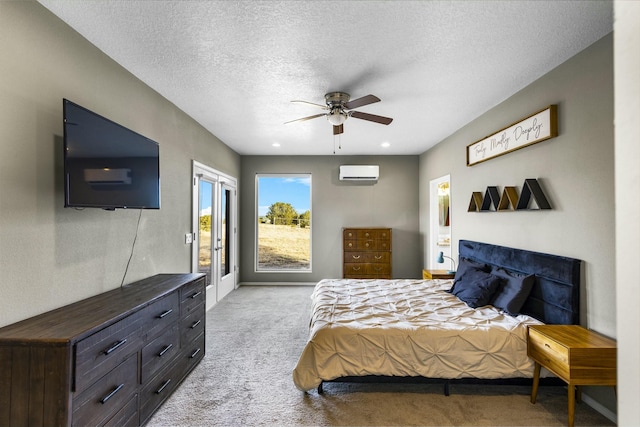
pixel 107 165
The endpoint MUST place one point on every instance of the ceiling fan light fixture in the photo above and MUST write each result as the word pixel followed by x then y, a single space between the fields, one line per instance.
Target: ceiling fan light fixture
pixel 336 117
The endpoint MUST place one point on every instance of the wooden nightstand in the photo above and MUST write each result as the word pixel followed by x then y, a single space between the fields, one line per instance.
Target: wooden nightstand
pixel 576 355
pixel 437 274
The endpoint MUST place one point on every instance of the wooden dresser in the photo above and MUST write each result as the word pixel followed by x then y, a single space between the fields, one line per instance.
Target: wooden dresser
pixel 366 253
pixel 109 360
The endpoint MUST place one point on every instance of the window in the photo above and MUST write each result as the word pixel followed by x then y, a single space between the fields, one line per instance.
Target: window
pixel 283 223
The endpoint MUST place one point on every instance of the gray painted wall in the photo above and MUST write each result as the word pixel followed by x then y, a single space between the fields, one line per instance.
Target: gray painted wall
pixel 391 202
pixel 575 169
pixel 51 256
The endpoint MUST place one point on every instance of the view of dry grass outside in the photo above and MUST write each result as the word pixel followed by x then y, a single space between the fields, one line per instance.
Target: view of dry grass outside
pixel 283 247
pixel 204 251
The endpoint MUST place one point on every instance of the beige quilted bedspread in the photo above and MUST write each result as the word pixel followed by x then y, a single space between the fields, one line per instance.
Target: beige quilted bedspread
pixel 408 328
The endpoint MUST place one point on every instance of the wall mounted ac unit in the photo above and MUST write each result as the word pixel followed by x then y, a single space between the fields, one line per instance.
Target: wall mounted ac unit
pixel 359 172
pixel 107 176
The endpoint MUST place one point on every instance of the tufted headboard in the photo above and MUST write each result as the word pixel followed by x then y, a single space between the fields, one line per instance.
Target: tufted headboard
pixel 555 297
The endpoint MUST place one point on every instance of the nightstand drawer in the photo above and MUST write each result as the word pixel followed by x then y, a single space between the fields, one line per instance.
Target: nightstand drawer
pixel 549 353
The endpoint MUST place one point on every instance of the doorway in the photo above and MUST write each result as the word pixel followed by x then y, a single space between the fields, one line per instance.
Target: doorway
pixel 214 249
pixel 440 221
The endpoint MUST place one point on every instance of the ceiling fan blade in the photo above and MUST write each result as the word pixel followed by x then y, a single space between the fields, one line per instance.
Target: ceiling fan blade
pixel 370 117
pixel 365 100
pixel 337 130
pixel 324 107
pixel 305 118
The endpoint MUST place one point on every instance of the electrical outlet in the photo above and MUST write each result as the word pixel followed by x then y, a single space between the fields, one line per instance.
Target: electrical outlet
pixel 188 238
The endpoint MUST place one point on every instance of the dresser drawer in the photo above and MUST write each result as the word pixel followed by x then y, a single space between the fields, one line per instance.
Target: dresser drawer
pixel 159 351
pixel 191 354
pixel 367 234
pixel 191 296
pixel 549 353
pixel 192 325
pixel 160 314
pixel 127 416
pixel 367 257
pixel 367 270
pixel 158 389
pixel 350 245
pixel 383 245
pixel 107 396
pixel 101 352
pixel 349 234
pixel 367 245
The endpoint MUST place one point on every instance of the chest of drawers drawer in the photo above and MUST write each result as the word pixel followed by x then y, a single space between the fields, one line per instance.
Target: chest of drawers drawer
pixel 106 396
pixel 127 416
pixel 192 353
pixel 99 353
pixel 159 351
pixel 191 296
pixel 192 325
pixel 367 257
pixel 366 271
pixel 160 314
pixel 157 390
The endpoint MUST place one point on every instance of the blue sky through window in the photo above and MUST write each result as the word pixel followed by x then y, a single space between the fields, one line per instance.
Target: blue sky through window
pixel 206 194
pixel 295 190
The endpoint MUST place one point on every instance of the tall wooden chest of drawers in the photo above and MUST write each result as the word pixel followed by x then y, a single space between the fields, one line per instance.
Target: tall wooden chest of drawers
pixel 109 360
pixel 366 253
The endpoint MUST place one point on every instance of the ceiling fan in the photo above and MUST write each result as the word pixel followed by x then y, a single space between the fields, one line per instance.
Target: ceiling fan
pixel 340 108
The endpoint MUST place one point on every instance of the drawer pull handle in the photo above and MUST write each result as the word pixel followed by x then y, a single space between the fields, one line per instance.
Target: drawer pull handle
pixel 194 296
pixel 163 386
pixel 377 257
pixel 547 345
pixel 164 350
pixel 195 353
pixel 110 395
pixel 195 324
pixel 165 314
pixel 378 268
pixel 356 268
pixel 356 256
pixel 115 346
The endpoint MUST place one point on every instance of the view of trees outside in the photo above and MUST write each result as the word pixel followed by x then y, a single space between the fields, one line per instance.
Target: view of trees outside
pixel 284 223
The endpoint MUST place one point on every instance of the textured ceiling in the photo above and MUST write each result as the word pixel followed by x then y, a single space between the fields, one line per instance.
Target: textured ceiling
pixel 234 66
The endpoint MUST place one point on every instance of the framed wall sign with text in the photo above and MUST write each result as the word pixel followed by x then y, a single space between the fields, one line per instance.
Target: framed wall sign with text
pixel 533 129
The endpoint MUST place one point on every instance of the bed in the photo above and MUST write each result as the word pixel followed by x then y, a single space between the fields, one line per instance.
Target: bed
pixel 418 329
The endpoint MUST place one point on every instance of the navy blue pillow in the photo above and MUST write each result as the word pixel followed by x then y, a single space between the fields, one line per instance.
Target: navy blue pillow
pixel 476 287
pixel 465 264
pixel 514 291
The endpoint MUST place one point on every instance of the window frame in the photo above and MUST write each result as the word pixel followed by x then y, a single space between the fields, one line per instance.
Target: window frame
pixel 256 264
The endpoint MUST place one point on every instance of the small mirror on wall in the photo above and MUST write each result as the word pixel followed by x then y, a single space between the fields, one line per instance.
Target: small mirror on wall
pixel 444 215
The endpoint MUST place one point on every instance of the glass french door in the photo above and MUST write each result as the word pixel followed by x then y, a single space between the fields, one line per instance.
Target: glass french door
pixel 214 246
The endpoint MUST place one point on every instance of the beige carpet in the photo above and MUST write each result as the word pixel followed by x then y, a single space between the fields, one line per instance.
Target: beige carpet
pixel 254 338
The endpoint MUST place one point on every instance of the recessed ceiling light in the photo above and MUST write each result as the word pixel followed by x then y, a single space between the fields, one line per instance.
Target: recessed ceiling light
pixel 385 145
pixel 275 144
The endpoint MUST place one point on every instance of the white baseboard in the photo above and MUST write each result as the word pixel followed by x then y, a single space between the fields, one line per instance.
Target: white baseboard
pixel 277 283
pixel 600 408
